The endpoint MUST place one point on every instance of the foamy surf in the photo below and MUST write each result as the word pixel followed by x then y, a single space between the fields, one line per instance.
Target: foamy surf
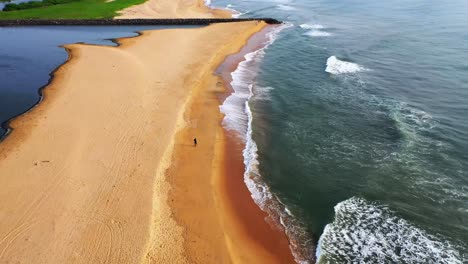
pixel 412 120
pixel 311 26
pixel 336 66
pixel 284 7
pixel 243 78
pixel 235 13
pixel 364 232
pixel 315 30
pixel 239 118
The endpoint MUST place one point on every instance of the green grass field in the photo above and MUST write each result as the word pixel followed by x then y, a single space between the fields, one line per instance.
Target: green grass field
pixel 74 10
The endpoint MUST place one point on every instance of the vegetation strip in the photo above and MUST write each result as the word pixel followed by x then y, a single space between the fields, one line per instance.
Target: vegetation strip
pixel 34 4
pixel 82 9
pixel 104 22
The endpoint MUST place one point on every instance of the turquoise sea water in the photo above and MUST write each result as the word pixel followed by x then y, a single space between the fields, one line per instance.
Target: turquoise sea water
pixel 356 127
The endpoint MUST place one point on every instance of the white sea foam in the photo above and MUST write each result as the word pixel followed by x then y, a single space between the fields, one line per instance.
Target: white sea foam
pixel 283 1
pixel 414 124
pixel 413 116
pixel 262 93
pixel 417 129
pixel 239 117
pixel 336 66
pixel 315 30
pixel 235 13
pixel 234 106
pixel 317 33
pixel 243 79
pixel 207 2
pixel 285 7
pixel 363 232
pixel 311 26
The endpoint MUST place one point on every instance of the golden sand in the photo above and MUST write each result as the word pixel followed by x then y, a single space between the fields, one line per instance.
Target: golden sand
pixel 83 174
pixel 209 198
pixel 172 9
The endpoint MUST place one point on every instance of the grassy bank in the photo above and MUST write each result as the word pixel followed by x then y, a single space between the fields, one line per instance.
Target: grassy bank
pixel 73 10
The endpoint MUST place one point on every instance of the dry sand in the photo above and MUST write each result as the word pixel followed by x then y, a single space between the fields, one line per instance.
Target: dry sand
pixel 83 174
pixel 172 9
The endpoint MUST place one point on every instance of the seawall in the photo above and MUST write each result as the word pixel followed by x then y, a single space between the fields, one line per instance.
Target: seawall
pixel 112 22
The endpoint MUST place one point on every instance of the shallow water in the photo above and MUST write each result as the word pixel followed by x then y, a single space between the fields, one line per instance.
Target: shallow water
pixel 29 54
pixel 359 123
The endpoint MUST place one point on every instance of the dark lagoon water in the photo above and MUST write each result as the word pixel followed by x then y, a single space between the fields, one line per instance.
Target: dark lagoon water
pixel 29 54
pixel 356 127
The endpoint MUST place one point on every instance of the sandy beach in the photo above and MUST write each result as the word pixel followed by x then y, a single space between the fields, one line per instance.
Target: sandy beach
pixel 237 226
pixel 173 9
pixel 84 173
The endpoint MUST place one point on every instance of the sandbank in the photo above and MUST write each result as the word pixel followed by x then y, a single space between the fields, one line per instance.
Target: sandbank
pixel 83 173
pixel 172 9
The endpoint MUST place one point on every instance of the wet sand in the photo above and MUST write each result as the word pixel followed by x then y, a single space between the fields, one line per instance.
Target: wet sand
pixel 83 173
pixel 226 225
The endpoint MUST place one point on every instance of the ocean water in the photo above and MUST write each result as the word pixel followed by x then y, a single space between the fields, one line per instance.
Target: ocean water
pixel 355 119
pixel 29 54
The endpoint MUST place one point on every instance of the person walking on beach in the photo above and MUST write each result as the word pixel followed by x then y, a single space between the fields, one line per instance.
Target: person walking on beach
pixel 195 142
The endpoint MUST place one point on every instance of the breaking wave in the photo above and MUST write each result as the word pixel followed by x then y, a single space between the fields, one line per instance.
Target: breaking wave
pixel 243 79
pixel 311 26
pixel 336 66
pixel 364 232
pixel 315 30
pixel 239 118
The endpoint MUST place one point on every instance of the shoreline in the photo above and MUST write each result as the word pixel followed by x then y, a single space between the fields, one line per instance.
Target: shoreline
pixel 41 91
pixel 264 227
pixel 249 238
pixel 26 127
pixel 6 124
